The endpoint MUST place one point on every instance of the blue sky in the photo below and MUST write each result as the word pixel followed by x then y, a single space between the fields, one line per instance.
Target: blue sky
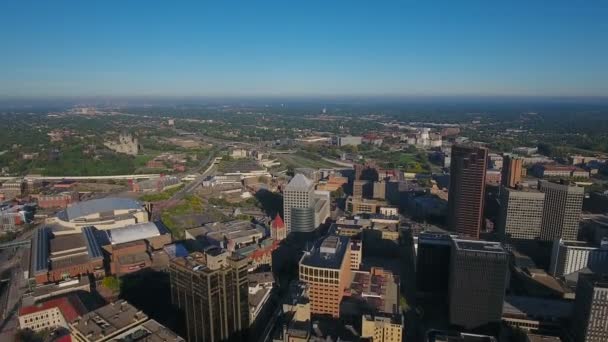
pixel 222 47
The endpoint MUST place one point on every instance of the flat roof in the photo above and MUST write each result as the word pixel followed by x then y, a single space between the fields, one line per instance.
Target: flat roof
pixel 108 319
pixel 531 307
pixel 149 331
pixel 67 242
pixel 542 338
pixel 478 246
pixel 327 253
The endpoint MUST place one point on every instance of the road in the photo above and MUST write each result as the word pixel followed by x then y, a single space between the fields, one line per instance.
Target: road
pixel 190 187
pixel 10 299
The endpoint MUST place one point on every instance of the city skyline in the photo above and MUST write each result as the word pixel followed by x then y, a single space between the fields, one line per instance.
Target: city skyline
pixel 275 49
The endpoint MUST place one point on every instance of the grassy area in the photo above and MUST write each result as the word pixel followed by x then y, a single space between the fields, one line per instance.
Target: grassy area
pixel 142 159
pixel 416 162
pixel 161 196
pixel 190 205
pixel 304 159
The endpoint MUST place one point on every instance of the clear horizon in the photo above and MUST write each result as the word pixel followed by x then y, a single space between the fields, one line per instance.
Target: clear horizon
pixel 314 49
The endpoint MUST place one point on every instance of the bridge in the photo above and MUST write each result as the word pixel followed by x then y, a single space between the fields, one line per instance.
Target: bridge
pixel 127 177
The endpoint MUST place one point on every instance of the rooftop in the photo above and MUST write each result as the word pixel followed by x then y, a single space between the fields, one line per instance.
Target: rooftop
pixel 532 307
pixel 108 320
pixel 299 182
pixel 149 331
pixel 70 307
pixel 378 287
pixel 260 278
pixel 135 232
pixel 444 336
pixel 478 246
pixel 543 338
pixel 597 279
pixel 64 243
pixel 327 253
pixel 101 205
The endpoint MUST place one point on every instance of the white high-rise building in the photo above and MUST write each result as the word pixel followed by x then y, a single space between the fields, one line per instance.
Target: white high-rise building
pixel 298 208
pixel 572 256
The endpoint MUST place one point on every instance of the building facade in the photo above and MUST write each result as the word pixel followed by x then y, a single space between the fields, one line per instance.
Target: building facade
pixel 433 264
pixel 477 284
pixel 211 289
pixel 561 211
pixel 571 256
pixel 511 171
pixel 50 314
pixel 381 328
pixel 298 204
pixel 520 214
pixel 356 254
pixel 326 271
pixel 591 309
pixel 467 189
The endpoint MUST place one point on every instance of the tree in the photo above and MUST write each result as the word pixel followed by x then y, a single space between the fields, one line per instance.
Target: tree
pixel 338 193
pixel 112 283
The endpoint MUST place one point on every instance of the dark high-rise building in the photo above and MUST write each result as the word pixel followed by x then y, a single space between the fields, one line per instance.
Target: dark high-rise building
pixel 562 210
pixel 467 189
pixel 590 314
pixel 211 289
pixel 511 171
pixel 478 279
pixel 433 264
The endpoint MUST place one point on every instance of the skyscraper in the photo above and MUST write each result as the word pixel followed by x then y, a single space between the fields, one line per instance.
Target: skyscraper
pixel 211 289
pixel 326 271
pixel 298 204
pixel 520 214
pixel 433 264
pixel 590 314
pixel 467 189
pixel 561 211
pixel 478 279
pixel 511 171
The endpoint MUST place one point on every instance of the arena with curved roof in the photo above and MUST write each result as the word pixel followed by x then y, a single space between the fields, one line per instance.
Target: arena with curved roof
pixel 103 213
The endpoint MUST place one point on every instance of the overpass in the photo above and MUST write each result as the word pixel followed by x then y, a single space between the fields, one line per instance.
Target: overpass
pixel 127 177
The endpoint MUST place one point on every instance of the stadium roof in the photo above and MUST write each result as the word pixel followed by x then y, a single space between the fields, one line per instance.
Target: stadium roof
pixel 86 208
